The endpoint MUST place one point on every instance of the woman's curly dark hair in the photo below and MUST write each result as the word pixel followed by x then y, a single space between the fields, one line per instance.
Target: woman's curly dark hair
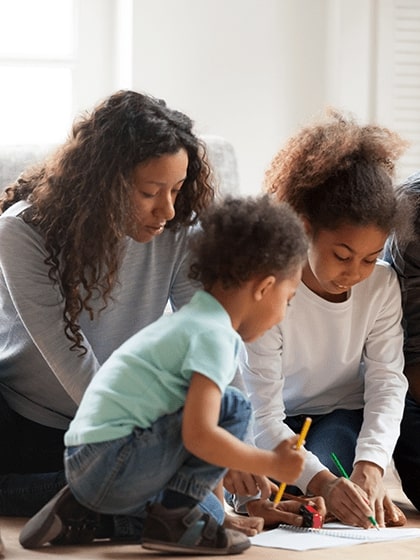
pixel 241 238
pixel 81 195
pixel 335 171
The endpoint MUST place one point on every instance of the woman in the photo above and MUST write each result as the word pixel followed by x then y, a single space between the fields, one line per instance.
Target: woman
pixel 92 247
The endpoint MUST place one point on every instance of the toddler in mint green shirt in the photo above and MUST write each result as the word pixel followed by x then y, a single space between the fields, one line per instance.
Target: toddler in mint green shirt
pixel 159 425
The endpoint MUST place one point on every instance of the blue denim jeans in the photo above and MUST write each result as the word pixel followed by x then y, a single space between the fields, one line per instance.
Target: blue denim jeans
pixel 122 476
pixel 334 432
pixel 407 452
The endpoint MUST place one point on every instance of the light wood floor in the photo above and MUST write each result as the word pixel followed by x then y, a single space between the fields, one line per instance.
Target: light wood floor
pixel 399 550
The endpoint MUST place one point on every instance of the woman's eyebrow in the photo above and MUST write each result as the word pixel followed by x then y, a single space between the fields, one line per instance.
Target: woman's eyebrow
pixel 162 184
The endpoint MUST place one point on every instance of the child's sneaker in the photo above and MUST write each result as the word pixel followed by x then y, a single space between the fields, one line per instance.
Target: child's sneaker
pixel 61 521
pixel 187 531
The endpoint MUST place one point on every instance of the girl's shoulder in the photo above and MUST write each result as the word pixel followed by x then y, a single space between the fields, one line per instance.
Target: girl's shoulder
pixel 383 282
pixel 383 271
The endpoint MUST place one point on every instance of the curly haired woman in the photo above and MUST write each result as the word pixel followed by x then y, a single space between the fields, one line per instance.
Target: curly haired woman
pixel 92 247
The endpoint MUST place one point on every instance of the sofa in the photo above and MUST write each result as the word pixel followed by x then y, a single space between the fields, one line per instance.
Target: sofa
pixel 221 155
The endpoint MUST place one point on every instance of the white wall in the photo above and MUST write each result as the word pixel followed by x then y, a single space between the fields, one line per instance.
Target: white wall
pixel 95 60
pixel 249 70
pixel 351 56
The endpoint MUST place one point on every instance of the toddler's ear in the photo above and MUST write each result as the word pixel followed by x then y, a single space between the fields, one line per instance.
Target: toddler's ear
pixel 306 225
pixel 263 286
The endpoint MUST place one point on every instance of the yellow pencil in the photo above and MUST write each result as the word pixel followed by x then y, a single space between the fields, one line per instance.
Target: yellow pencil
pixel 302 436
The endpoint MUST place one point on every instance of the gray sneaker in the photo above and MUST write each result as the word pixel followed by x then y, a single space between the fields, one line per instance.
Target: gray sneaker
pixel 187 531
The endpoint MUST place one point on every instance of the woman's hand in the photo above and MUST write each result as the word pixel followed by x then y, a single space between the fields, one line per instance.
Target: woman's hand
pixel 246 484
pixel 394 517
pixel 285 512
pixel 350 503
pixel 369 477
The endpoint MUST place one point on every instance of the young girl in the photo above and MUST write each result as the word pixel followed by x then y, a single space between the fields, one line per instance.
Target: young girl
pixel 337 356
pixel 158 425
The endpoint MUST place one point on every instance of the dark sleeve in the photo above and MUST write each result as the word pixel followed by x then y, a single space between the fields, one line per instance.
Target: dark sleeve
pixel 406 262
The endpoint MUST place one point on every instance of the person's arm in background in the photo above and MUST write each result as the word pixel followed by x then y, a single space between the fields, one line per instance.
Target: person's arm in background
pixel 410 290
pixel 406 262
pixel 403 253
pixel 412 371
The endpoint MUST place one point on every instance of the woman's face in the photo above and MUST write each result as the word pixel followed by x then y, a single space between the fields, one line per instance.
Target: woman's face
pixel 156 184
pixel 338 259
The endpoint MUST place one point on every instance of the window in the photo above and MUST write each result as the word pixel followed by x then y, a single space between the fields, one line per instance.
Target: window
pixel 398 85
pixel 37 51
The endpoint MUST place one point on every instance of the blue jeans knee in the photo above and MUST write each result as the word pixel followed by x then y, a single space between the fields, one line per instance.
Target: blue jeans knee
pixel 122 476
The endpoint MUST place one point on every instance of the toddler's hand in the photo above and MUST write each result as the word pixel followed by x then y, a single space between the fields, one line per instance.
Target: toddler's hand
pixel 289 461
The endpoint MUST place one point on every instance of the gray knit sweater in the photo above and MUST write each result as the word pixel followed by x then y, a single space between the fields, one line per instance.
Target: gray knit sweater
pixel 40 377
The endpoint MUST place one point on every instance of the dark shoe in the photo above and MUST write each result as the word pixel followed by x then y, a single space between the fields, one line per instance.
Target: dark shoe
pixel 61 521
pixel 187 531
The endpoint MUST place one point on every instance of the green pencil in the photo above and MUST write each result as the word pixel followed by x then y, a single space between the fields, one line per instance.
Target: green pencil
pixel 343 473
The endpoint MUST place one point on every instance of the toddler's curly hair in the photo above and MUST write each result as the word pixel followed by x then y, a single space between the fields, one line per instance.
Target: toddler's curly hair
pixel 242 238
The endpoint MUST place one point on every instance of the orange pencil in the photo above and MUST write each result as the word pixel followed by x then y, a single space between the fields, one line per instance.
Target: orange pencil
pixel 302 436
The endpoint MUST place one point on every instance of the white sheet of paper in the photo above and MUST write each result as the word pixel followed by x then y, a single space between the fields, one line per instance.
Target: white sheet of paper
pixel 331 535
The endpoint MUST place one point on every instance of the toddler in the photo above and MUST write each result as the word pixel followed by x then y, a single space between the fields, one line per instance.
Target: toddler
pixel 158 426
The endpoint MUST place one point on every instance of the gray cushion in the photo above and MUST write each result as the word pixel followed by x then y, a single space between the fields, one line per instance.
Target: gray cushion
pixel 222 158
pixel 14 159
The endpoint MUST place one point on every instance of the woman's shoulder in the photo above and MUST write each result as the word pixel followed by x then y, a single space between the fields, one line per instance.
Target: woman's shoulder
pixel 15 211
pixel 17 237
pixel 11 221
